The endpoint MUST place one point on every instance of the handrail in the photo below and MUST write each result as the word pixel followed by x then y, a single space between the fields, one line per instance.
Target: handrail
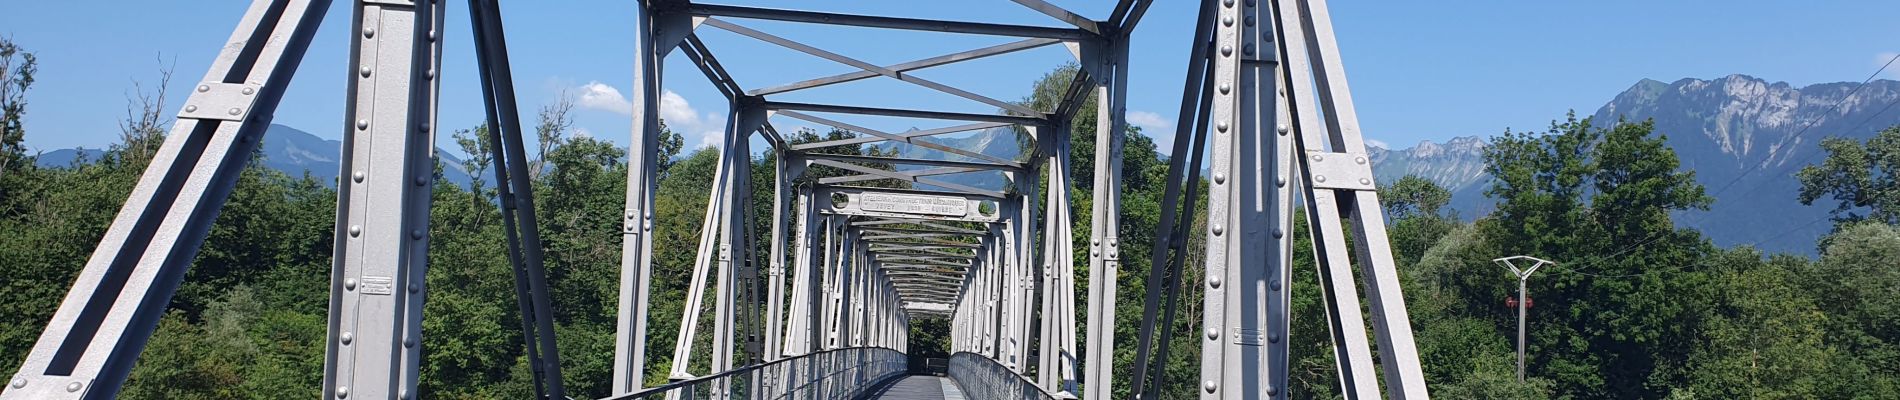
pixel 983 378
pixel 874 364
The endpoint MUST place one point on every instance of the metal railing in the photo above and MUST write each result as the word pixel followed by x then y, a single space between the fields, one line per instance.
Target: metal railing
pixel 832 374
pixel 983 378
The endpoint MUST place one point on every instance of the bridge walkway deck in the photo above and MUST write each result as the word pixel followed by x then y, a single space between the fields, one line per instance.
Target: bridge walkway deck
pixel 918 387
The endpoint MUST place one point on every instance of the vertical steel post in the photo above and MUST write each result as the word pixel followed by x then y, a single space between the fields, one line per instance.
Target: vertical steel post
pixel 782 176
pixel 1059 272
pixel 636 248
pixel 798 321
pixel 383 208
pixel 1104 240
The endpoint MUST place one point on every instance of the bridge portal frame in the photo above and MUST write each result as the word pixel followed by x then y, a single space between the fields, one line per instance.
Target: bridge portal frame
pixel 849 290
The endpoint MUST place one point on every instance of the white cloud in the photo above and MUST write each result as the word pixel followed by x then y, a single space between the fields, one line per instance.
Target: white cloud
pixel 698 129
pixel 680 116
pixel 600 96
pixel 1370 142
pixel 1152 123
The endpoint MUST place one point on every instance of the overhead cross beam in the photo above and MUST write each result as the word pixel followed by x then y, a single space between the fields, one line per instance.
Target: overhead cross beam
pixel 823 159
pixel 821 53
pixel 1035 120
pixel 976 28
pixel 946 59
pixel 1062 14
pixel 920 142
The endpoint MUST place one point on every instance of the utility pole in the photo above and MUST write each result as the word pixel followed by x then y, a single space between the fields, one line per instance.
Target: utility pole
pixel 1523 302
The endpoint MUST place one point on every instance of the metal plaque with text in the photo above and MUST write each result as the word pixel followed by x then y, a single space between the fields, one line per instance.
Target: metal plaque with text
pixel 914 204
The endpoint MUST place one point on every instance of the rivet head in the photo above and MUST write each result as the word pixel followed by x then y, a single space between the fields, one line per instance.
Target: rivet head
pixel 424 128
pixel 1278 233
pixel 1226 50
pixel 369 32
pixel 342 392
pixel 191 108
pixel 74 387
pixel 1271 391
pixel 431 35
pixel 1224 88
pixel 1219 229
pixel 1248 49
pixel 422 180
pixel 409 342
pixel 1365 181
pixel 1222 126
pixel 1319 178
pixel 362 124
pixel 430 74
pixel 358 176
pixel 346 338
pixel 1213 334
pixel 1273 337
pixel 1275 285
pixel 415 234
pixel 1229 3
pixel 1220 178
pixel 1249 20
pixel 19 383
pixel 1209 386
pixel 415 288
pixel 1280 181
pixel 1227 21
pixel 1281 128
pixel 204 88
pixel 1359 160
pixel 1317 157
pixel 356 230
pixel 349 283
pixel 364 71
pixel 234 111
pixel 1213 282
pixel 249 91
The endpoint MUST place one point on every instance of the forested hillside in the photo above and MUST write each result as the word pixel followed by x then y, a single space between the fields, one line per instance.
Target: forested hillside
pixel 1635 308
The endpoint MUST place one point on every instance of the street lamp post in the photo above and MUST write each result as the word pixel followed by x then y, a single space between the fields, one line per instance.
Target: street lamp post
pixel 1522 302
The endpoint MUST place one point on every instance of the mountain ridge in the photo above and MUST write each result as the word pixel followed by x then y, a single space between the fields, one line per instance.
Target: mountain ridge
pixel 1742 136
pixel 286 149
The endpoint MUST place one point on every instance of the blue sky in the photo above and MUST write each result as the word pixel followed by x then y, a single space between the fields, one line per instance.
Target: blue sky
pixel 1419 70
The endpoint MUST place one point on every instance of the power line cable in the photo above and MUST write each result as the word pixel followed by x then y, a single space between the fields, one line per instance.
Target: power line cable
pixel 1810 124
pixel 1651 271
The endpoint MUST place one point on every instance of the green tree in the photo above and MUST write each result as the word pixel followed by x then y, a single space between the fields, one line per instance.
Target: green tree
pixel 17 67
pixel 1416 206
pixel 1864 180
pixel 1598 200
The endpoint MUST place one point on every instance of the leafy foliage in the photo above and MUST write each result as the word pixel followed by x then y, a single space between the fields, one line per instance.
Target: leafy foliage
pixel 1863 179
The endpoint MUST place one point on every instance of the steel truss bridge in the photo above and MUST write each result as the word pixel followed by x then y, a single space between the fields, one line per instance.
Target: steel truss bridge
pixel 823 308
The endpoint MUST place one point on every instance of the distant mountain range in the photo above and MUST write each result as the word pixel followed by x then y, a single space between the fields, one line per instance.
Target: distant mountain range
pixel 1743 136
pixel 285 149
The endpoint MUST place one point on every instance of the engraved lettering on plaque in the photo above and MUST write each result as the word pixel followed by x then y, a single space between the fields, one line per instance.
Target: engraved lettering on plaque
pixel 914 204
pixel 382 285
